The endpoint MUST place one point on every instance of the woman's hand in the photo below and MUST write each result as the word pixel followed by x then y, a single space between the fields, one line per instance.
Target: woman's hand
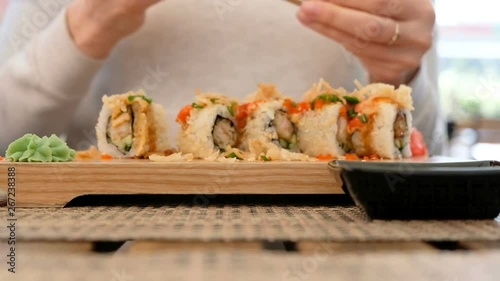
pixel 98 25
pixel 368 28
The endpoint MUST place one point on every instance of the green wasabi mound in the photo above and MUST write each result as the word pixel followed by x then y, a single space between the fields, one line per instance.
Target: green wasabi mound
pixel 32 148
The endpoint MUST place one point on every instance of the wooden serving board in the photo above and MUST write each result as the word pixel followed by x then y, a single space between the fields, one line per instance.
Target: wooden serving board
pixel 56 184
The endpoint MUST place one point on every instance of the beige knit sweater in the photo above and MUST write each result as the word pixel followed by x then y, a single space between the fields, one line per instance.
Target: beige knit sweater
pixel 48 86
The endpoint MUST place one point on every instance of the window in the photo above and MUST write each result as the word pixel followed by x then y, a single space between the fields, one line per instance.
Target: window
pixel 469 75
pixel 469 50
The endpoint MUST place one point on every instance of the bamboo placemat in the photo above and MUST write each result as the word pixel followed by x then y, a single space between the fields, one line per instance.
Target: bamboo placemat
pixel 235 223
pixel 220 266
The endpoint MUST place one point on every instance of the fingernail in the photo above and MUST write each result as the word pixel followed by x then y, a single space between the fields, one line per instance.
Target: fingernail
pixel 303 17
pixel 310 8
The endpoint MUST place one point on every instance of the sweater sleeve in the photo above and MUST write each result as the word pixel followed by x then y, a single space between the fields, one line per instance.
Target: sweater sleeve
pixel 428 114
pixel 43 82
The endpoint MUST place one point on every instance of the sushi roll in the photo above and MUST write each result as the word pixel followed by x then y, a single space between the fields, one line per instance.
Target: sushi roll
pixel 263 117
pixel 322 122
pixel 380 121
pixel 130 125
pixel 208 125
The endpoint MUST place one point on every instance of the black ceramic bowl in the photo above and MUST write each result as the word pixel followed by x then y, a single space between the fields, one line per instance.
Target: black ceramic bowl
pixel 409 190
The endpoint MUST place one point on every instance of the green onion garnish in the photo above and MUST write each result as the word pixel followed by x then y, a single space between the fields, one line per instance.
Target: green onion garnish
pixel 127 147
pixel 233 155
pixel 264 157
pixel 334 98
pixel 231 107
pixel 325 97
pixel 352 100
pixel 132 97
pixel 363 118
pixel 213 100
pixel 195 105
pixel 352 113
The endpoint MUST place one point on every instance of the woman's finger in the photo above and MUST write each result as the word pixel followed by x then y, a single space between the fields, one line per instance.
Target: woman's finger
pixel 396 9
pixel 366 26
pixel 382 61
pixel 403 55
pixel 146 2
pixel 358 46
pixel 362 48
pixel 389 70
pixel 141 4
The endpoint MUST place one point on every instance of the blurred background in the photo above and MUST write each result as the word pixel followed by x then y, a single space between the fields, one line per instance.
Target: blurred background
pixel 469 75
pixel 3 5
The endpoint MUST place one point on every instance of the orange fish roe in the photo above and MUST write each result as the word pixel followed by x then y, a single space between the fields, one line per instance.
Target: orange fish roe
pixel 183 115
pixel 106 157
pixel 350 156
pixel 324 157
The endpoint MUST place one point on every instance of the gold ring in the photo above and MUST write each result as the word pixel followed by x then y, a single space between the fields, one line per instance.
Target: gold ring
pixel 396 35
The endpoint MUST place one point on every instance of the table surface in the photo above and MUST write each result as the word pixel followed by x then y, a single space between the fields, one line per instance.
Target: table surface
pixel 323 264
pixel 244 242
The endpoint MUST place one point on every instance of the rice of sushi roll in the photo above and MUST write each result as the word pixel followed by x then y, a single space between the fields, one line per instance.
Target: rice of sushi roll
pixel 322 122
pixel 130 125
pixel 264 117
pixel 380 121
pixel 208 125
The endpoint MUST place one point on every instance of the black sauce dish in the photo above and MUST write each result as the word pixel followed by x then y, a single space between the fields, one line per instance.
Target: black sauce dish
pixel 422 190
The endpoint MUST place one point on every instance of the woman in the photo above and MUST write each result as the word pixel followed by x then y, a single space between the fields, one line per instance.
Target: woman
pixel 59 57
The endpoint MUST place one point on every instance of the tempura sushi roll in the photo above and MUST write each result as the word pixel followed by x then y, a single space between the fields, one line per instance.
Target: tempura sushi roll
pixel 130 125
pixel 322 122
pixel 381 121
pixel 208 125
pixel 263 117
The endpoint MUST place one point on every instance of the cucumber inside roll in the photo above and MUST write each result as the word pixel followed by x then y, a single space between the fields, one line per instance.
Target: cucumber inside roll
pixel 119 130
pixel 224 133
